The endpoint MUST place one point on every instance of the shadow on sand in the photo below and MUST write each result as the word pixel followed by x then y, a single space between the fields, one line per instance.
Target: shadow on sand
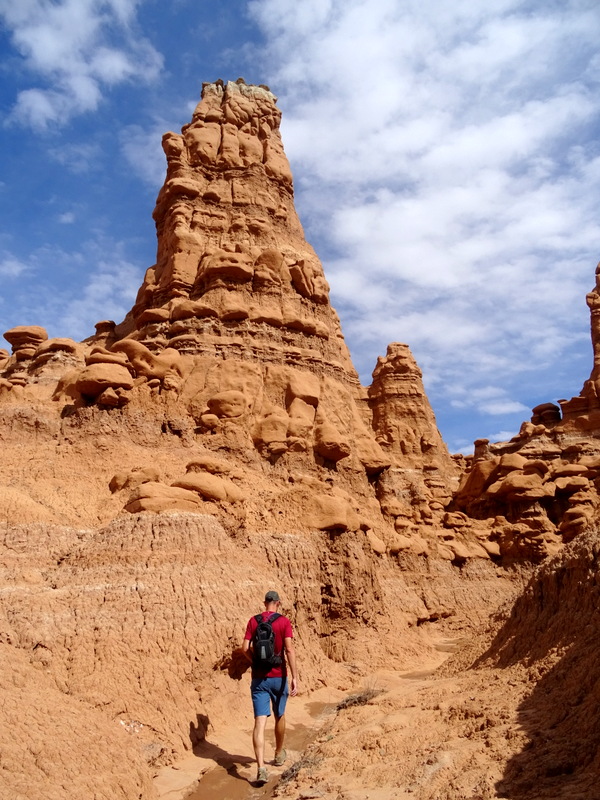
pixel 205 749
pixel 561 720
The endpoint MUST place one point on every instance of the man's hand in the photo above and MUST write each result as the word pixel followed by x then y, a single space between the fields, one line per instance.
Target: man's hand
pixel 294 687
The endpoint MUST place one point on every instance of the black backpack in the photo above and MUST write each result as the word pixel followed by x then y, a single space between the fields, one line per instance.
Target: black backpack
pixel 263 643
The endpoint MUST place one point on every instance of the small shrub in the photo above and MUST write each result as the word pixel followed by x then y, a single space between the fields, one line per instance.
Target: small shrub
pixel 306 762
pixel 358 699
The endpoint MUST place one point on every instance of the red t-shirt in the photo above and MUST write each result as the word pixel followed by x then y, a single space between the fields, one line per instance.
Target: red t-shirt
pixel 282 628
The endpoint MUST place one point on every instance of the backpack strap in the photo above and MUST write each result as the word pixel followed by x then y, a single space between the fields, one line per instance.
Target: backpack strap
pixel 273 619
pixel 274 616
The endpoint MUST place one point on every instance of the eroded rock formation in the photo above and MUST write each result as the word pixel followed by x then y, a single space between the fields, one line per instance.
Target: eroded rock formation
pixel 158 475
pixel 232 345
pixel 215 439
pixel 540 490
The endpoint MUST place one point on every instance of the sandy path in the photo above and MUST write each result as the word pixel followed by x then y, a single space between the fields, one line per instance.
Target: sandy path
pixel 231 779
pixel 225 762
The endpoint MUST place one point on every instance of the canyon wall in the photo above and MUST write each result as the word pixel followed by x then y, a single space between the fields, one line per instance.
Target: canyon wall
pixel 159 476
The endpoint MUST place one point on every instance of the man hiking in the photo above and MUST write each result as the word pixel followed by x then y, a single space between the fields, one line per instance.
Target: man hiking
pixel 268 645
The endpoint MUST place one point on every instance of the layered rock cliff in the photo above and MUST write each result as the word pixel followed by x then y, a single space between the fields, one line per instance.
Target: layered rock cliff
pixel 157 476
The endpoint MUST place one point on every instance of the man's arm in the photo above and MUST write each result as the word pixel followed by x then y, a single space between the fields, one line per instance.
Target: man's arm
pixel 246 649
pixel 290 655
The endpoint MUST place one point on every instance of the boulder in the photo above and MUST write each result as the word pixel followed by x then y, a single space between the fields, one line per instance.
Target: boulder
pixel 147 364
pixel 475 481
pixel 209 463
pixel 376 544
pixel 560 470
pixel 271 429
pixel 96 378
pixel 572 483
pixel 158 498
pixel 210 486
pixel 329 443
pixel 304 386
pixel 332 513
pixel 518 484
pixel 99 355
pixel 229 404
pixel 510 462
pixel 25 340
pixel 132 478
pixel 301 419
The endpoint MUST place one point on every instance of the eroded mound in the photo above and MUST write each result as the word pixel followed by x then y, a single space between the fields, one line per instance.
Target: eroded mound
pixel 551 640
pixel 513 715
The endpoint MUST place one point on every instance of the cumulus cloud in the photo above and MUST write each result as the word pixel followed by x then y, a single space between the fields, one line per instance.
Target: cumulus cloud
pixel 447 166
pixel 491 400
pixel 76 49
pixel 108 294
pixel 95 289
pixel 77 158
pixel 142 149
pixel 500 436
pixel 10 266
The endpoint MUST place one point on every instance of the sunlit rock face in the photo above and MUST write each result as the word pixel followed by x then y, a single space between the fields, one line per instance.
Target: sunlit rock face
pixel 158 476
pixel 233 346
pixel 233 271
pixel 214 442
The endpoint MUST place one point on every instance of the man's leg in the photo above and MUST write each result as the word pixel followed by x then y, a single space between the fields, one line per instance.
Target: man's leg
pixel 279 734
pixel 279 704
pixel 258 739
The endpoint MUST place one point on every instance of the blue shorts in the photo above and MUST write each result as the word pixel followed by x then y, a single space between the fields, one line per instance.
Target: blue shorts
pixel 267 692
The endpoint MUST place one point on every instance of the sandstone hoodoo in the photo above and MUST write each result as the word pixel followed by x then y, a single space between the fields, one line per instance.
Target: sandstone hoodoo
pixel 233 346
pixel 156 477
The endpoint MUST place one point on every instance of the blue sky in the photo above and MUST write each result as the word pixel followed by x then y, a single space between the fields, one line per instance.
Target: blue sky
pixel 446 160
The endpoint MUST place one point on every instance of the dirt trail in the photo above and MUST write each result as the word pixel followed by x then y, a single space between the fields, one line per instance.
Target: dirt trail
pixel 223 767
pixel 231 779
pixel 226 765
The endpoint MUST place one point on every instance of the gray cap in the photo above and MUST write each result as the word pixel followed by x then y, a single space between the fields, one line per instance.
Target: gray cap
pixel 272 597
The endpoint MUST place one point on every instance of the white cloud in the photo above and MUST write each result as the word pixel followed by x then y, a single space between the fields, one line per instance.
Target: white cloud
pixel 446 160
pixel 500 407
pixel 38 108
pixel 485 399
pixel 109 294
pixel 142 149
pixel 11 267
pixel 77 158
pixel 76 48
pixel 501 436
pixel 92 288
pixel 68 218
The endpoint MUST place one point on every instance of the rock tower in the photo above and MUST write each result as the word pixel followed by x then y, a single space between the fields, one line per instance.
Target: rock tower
pixel 233 345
